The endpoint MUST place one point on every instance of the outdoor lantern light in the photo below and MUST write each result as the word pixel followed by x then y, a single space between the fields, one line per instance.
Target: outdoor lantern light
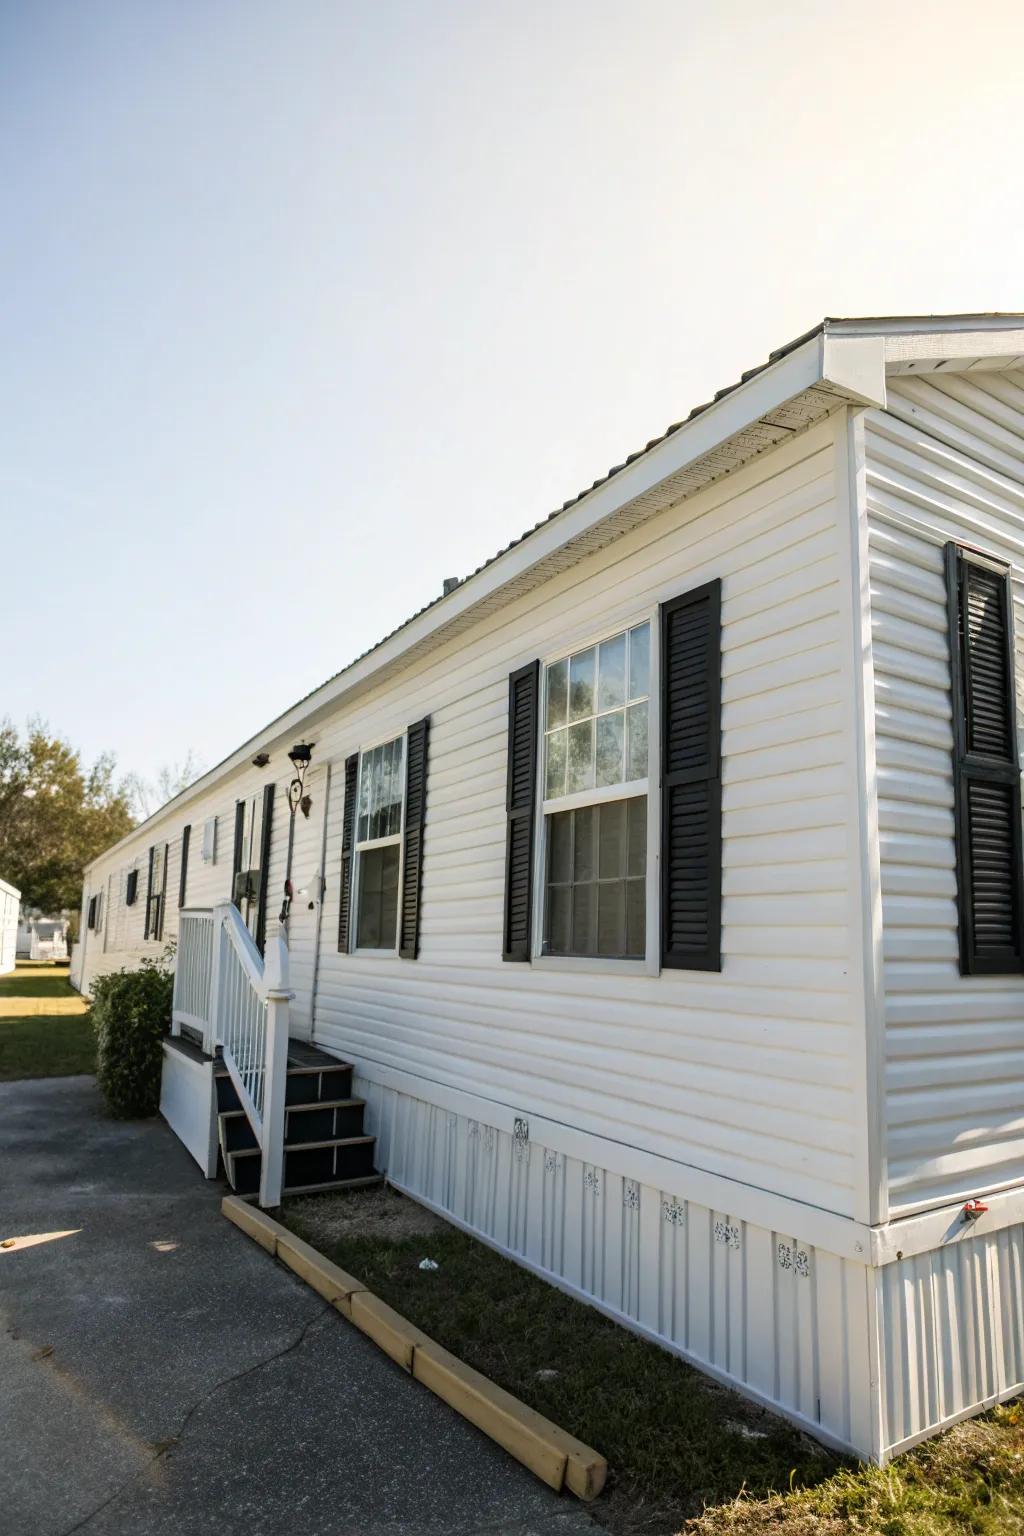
pixel 299 757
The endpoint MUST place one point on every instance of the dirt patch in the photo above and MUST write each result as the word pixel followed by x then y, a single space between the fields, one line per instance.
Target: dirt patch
pixel 377 1214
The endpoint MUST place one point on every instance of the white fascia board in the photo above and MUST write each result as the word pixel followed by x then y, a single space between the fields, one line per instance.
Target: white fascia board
pixel 939 346
pixel 844 365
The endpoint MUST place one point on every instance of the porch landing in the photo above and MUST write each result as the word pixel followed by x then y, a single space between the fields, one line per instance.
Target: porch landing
pixel 163 1376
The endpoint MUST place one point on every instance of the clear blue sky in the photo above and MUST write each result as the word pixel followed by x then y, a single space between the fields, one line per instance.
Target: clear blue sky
pixel 308 305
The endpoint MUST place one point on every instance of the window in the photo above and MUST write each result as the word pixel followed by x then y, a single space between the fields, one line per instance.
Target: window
pixel 155 888
pixel 90 921
pixel 98 919
pixel 378 844
pixel 596 756
pixel 210 840
pixel 131 889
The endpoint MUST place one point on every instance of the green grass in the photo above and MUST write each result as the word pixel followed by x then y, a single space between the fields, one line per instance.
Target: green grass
pixel 44 981
pixel 674 1440
pixel 684 1453
pixel 46 1045
pixel 967 1482
pixel 42 1044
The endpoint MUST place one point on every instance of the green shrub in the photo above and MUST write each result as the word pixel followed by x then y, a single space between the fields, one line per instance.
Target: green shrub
pixel 132 1013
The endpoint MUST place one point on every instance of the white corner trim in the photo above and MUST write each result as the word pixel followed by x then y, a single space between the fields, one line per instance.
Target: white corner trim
pixel 865 852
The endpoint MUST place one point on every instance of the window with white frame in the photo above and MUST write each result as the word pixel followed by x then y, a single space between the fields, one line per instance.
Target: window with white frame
pixel 378 844
pixel 595 776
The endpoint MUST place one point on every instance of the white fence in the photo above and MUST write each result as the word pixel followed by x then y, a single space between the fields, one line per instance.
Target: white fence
pixel 238 1000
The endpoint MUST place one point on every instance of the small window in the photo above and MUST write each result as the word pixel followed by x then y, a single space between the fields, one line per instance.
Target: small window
pixel 209 854
pixel 90 921
pixel 98 919
pixel 379 810
pixel 595 775
pixel 131 889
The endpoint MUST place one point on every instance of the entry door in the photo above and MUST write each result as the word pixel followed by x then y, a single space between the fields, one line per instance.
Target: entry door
pixel 251 863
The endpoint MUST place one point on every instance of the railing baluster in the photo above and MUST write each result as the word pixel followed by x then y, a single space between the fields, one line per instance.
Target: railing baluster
pixel 222 984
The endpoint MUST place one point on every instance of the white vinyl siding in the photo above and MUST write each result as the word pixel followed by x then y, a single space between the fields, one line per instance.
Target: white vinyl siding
pixel 749 1073
pixel 752 1073
pixel 944 461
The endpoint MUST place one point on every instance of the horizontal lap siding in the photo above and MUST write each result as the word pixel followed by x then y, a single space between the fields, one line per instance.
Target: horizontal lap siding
pixel 944 461
pixel 747 1073
pixel 123 945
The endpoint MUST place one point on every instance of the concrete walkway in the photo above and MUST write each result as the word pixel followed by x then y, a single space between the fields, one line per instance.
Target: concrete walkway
pixel 160 1374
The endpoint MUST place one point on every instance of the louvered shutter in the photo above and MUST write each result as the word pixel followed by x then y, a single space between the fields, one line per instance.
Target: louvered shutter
pixel 186 838
pixel 158 924
pixel 691 791
pixel 520 806
pixel 986 772
pixel 149 895
pixel 412 849
pixel 236 858
pixel 348 832
pixel 260 937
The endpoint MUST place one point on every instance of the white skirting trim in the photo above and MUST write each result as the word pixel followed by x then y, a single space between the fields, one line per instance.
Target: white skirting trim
pixel 188 1104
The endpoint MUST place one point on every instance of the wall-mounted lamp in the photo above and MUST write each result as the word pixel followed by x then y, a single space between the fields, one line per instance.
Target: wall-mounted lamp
pixel 299 756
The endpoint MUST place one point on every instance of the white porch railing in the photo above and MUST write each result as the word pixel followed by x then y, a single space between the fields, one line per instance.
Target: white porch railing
pixel 239 1000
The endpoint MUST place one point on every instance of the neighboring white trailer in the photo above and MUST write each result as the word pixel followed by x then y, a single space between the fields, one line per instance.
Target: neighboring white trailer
pixel 43 938
pixel 754 1089
pixel 10 902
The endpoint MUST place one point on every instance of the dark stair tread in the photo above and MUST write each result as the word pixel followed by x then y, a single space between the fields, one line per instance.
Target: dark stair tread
pixel 309 1146
pixel 315 1189
pixel 299 1109
pixel 302 1109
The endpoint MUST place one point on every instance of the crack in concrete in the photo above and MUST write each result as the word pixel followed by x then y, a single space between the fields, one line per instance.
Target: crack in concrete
pixel 166 1445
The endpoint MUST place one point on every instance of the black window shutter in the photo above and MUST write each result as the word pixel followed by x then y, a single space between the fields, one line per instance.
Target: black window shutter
pixel 986 772
pixel 186 838
pixel 158 923
pixel 264 886
pixel 149 894
pixel 521 810
pixel 236 857
pixel 691 785
pixel 348 832
pixel 412 849
pixel 132 888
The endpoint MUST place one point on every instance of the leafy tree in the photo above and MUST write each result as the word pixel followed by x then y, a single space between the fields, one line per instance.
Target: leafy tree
pixel 56 814
pixel 146 796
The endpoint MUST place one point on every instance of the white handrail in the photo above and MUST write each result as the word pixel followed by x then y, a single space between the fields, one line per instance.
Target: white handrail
pixel 224 986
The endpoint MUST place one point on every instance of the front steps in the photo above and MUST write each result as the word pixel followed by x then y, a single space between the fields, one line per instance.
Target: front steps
pixel 325 1147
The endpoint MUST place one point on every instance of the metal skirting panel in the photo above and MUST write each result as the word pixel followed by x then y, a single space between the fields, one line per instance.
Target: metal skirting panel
pixel 782 1320
pixel 951 1325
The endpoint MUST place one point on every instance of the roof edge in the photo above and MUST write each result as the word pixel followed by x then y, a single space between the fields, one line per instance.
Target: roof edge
pixel 847 356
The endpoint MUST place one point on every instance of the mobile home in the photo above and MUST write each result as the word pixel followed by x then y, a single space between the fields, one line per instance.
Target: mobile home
pixel 10 900
pixel 654 896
